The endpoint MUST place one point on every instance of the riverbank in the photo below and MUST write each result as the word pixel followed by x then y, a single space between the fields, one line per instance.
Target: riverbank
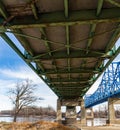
pixel 41 125
pixel 45 125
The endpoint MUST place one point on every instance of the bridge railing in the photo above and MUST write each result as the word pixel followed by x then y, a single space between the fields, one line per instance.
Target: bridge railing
pixel 109 86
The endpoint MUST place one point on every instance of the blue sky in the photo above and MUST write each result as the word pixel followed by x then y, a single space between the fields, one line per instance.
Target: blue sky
pixel 14 69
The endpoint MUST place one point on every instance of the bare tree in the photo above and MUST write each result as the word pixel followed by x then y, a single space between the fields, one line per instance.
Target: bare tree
pixel 22 95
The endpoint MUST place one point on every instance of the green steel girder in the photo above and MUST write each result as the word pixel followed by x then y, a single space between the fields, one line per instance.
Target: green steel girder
pixel 42 30
pixel 47 44
pixel 113 53
pixel 34 10
pixel 3 11
pixel 45 38
pixel 99 7
pixel 69 68
pixel 64 55
pixel 66 8
pixel 13 46
pixel 39 67
pixel 3 29
pixel 24 42
pixel 69 91
pixel 113 2
pixel 63 71
pixel 23 37
pixel 91 34
pixel 66 11
pixel 71 86
pixel 68 45
pixel 67 27
pixel 58 19
pixel 117 52
pixel 79 80
pixel 113 39
pixel 74 87
pixel 69 95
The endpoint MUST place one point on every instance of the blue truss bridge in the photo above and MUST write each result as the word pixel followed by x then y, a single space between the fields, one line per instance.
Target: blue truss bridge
pixel 109 86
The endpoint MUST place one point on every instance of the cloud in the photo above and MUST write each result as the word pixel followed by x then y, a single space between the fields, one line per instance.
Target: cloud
pixel 94 87
pixel 5 102
pixel 48 101
pixel 20 72
pixel 8 79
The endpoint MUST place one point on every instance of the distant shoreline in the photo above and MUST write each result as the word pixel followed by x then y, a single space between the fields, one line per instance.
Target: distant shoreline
pixel 5 116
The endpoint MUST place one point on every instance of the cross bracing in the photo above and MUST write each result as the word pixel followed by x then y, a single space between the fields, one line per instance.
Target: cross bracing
pixel 108 87
pixel 67 40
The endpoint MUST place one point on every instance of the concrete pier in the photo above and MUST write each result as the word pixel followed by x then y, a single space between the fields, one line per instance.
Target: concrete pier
pixel 111 110
pixel 90 115
pixel 83 113
pixel 59 114
pixel 71 114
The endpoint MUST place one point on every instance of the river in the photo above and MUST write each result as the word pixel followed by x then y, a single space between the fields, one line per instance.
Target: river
pixel 27 119
pixel 97 121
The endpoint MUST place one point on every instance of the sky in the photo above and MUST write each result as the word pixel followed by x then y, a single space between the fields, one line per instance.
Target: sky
pixel 13 69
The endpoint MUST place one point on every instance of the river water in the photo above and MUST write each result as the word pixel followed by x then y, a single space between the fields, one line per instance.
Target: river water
pixel 96 122
pixel 27 119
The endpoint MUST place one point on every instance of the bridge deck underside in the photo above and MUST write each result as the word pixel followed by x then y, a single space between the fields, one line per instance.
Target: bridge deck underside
pixel 67 40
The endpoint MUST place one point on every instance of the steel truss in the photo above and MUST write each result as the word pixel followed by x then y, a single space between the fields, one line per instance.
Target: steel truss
pixel 109 86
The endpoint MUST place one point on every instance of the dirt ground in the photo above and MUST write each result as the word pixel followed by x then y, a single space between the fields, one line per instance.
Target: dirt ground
pixel 42 125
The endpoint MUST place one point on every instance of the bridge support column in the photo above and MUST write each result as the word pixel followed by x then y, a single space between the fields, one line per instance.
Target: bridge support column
pixel 71 115
pixel 111 111
pixel 90 116
pixel 83 114
pixel 59 114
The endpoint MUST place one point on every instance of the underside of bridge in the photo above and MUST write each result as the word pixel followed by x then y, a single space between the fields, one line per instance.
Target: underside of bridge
pixel 67 40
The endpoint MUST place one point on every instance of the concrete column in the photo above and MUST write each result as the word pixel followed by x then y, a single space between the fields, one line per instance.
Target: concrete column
pixel 92 114
pixel 111 111
pixel 92 117
pixel 59 114
pixel 71 112
pixel 83 114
